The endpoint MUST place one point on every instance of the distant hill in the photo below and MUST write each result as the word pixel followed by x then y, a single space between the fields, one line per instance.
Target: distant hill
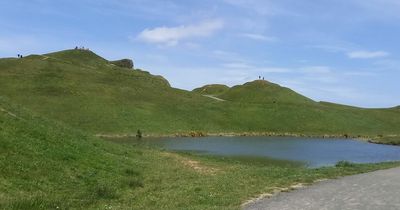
pixel 88 92
pixel 261 91
pixel 85 57
pixel 214 89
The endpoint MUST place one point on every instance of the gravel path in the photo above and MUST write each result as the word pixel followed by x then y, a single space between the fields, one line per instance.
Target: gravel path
pixel 378 190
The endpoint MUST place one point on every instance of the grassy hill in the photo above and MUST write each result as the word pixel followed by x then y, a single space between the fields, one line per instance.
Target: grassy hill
pixel 214 89
pixel 262 92
pixel 85 91
pixel 47 165
pixel 51 105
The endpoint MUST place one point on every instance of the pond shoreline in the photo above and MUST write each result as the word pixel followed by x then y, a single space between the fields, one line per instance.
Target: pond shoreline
pixel 315 152
pixel 196 134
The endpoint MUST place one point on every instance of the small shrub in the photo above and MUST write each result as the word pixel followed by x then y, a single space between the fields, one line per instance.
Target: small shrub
pixel 344 163
pixel 105 192
pixel 134 183
pixel 131 172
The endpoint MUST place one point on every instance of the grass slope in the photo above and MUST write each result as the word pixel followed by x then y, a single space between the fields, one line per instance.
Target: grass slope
pixel 214 89
pixel 262 92
pixel 46 165
pixel 85 91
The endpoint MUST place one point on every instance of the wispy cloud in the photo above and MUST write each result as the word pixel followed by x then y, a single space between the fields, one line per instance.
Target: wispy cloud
pixel 252 68
pixel 359 73
pixel 367 54
pixel 332 48
pixel 381 8
pixel 171 36
pixel 259 37
pixel 260 7
pixel 351 53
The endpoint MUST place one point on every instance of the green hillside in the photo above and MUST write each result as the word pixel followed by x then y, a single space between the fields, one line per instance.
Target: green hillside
pixel 85 91
pixel 214 89
pixel 262 92
pixel 77 57
pixel 47 165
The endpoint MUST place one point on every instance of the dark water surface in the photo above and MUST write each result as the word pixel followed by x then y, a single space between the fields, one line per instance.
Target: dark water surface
pixel 312 151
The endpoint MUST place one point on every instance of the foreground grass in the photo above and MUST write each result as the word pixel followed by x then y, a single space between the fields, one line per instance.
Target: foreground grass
pixel 46 165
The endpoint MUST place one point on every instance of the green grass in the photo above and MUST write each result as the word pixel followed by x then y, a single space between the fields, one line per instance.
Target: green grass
pixel 85 91
pixel 214 89
pixel 47 165
pixel 49 157
pixel 264 92
pixel 392 140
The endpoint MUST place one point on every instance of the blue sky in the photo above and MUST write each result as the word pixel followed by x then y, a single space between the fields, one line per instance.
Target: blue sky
pixel 343 51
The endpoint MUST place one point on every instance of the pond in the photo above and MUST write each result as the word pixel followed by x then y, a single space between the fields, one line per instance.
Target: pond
pixel 313 152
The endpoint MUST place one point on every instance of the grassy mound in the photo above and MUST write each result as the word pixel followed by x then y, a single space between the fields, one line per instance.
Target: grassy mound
pixel 214 89
pixel 261 91
pixel 85 57
pixel 85 91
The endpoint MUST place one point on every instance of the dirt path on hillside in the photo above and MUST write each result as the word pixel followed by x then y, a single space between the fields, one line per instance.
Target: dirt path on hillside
pixel 213 97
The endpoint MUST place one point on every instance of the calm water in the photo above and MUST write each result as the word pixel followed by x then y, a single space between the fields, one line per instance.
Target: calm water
pixel 313 152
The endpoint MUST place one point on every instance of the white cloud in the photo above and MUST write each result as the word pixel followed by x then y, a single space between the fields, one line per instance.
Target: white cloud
pixel 332 48
pixel 350 51
pixel 172 35
pixel 367 54
pixel 259 37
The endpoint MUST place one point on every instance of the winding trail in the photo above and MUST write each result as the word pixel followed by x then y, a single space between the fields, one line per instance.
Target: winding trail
pixel 213 97
pixel 376 190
